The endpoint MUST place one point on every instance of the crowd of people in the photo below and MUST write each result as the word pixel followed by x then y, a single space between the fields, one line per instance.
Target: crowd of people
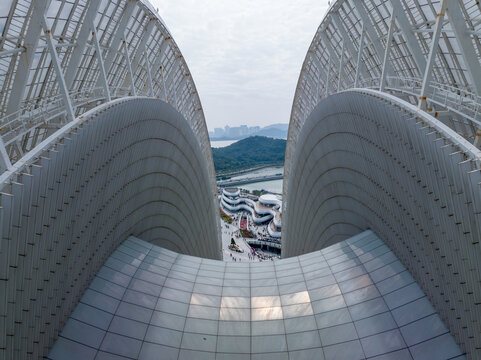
pixel 232 232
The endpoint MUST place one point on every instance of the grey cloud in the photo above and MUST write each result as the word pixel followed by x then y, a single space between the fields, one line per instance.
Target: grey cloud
pixel 245 56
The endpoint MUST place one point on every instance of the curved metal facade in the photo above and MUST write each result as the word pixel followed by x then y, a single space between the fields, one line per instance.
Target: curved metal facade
pixel 365 161
pixel 132 166
pixel 424 52
pixel 60 58
pixel 102 135
pixel 384 135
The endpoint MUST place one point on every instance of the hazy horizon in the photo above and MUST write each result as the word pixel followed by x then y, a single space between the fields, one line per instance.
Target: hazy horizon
pixel 245 57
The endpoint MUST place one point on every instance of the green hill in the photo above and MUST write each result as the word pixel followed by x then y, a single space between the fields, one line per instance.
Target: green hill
pixel 250 152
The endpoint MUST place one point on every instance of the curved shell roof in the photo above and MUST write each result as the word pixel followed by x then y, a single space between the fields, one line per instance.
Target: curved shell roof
pixel 50 71
pixel 426 52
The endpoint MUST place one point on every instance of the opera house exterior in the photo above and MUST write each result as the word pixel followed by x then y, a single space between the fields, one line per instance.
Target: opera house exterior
pixel 110 235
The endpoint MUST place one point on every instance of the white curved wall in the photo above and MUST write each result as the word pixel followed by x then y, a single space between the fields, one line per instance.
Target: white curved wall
pixel 276 234
pixel 230 194
pixel 130 167
pixel 137 55
pixel 367 160
pixel 240 206
pixel 237 204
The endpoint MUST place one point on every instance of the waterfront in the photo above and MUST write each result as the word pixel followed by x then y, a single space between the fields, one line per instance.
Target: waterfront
pixel 267 171
pixel 273 186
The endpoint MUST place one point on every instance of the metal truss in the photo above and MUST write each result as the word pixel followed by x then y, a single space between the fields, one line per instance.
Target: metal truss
pixel 426 52
pixel 61 58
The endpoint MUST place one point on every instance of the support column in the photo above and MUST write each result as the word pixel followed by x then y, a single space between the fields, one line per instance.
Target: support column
pixel 59 73
pixel 464 41
pixel 101 63
pixel 149 74
pixel 331 53
pixel 382 82
pixel 349 47
pixel 328 75
pixel 407 32
pixel 129 68
pixel 477 138
pixel 317 80
pixel 26 57
pixel 81 43
pixel 371 32
pixel 164 87
pixel 5 163
pixel 119 35
pixel 359 57
pixel 432 56
pixel 341 66
pixel 141 48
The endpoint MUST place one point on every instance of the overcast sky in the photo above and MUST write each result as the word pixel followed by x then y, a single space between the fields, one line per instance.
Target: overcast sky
pixel 244 55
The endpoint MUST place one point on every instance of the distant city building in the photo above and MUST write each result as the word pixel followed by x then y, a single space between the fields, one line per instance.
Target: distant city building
pixel 242 131
pixel 219 132
pixel 254 129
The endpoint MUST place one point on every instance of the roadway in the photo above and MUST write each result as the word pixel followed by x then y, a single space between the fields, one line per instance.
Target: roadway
pixel 227 183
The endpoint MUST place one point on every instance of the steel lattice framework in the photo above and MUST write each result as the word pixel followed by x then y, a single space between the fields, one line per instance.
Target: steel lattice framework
pixel 384 134
pixel 60 58
pixel 424 51
pixel 102 135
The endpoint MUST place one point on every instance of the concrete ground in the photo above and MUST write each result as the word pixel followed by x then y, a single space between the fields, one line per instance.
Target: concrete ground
pixel 232 231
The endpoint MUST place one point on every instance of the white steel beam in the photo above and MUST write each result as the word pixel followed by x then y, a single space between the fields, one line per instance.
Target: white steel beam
pixel 119 36
pixel 173 69
pixel 185 77
pixel 129 68
pixel 308 78
pixel 141 48
pixel 407 32
pixel 369 29
pixel 346 41
pixel 341 66
pixel 4 53
pixel 149 75
pixel 321 72
pixel 26 57
pixel 158 62
pixel 433 47
pixel 382 82
pixel 103 74
pixel 164 86
pixel 359 57
pixel 327 43
pixel 58 72
pixel 465 43
pixel 313 84
pixel 477 138
pixel 77 53
pixel 328 75
pixel 5 163
pixel 332 54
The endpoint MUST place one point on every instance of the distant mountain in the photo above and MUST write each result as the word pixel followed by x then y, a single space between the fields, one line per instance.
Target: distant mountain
pixel 277 131
pixel 284 127
pixel 272 132
pixel 250 152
